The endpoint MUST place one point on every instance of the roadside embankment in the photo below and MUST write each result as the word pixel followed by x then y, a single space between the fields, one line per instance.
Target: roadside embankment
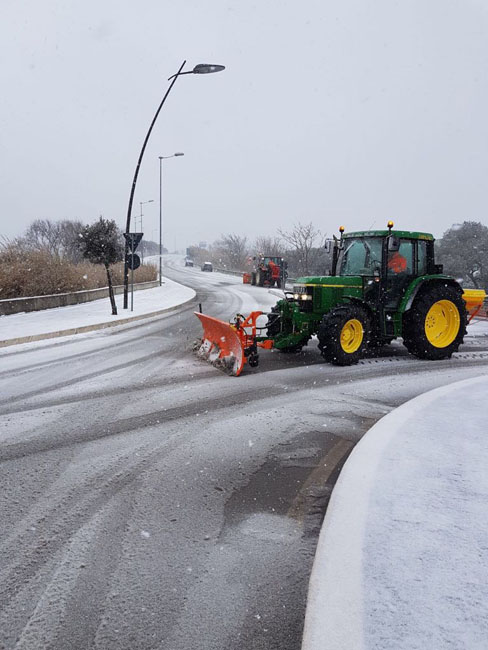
pixel 86 317
pixel 402 558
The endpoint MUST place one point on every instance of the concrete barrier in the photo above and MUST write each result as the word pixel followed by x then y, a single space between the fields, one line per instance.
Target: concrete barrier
pixel 36 303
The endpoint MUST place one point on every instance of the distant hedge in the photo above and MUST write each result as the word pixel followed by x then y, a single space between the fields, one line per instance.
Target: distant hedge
pixel 25 273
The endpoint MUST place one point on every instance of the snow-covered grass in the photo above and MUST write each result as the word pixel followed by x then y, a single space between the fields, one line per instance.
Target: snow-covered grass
pixel 402 560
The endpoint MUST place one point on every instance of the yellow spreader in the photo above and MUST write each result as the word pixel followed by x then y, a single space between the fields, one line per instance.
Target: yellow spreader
pixel 474 301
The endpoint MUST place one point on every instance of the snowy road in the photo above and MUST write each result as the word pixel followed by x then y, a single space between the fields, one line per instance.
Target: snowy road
pixel 149 501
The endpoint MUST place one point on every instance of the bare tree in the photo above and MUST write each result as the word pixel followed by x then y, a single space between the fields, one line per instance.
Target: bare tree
pixel 44 234
pixel 265 245
pixel 231 251
pixel 302 239
pixel 58 238
pixel 69 236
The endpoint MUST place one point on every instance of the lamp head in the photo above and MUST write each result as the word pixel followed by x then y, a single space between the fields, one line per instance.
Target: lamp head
pixel 207 68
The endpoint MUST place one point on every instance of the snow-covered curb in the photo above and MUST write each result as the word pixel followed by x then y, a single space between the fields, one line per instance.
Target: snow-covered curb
pixel 87 317
pixel 402 556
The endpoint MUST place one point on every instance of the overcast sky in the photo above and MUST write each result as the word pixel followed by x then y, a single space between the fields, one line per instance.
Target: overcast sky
pixel 337 112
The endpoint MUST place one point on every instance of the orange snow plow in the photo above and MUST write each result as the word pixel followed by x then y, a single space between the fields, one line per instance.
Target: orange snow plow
pixel 229 346
pixel 474 301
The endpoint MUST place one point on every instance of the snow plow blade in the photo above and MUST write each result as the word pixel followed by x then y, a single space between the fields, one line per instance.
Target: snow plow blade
pixel 221 345
pixel 474 301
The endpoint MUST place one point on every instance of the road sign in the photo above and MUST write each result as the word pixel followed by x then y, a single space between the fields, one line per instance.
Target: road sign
pixel 133 239
pixel 133 261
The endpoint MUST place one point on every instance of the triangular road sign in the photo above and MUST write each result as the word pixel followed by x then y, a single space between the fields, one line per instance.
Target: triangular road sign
pixel 133 239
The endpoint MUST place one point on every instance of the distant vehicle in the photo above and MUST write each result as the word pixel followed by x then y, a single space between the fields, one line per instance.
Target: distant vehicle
pixel 207 266
pixel 268 271
pixel 188 262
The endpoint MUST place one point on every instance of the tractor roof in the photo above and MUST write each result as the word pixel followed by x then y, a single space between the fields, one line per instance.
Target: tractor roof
pixel 403 234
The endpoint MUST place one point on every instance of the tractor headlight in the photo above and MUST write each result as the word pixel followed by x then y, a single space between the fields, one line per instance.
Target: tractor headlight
pixel 302 296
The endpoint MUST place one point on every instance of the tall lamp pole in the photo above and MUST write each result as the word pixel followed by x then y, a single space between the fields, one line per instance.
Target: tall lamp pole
pixel 141 203
pixel 161 158
pixel 201 68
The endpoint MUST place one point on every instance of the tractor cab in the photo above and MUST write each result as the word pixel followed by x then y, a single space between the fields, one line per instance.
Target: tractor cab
pixel 386 261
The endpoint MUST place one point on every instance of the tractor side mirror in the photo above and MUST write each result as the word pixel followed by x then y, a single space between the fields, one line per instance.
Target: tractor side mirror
pixel 393 244
pixel 328 245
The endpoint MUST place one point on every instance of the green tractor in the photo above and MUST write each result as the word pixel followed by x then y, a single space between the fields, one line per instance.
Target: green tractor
pixel 383 284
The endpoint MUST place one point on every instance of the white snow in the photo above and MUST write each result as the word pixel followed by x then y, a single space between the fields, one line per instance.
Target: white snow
pixel 147 301
pixel 402 559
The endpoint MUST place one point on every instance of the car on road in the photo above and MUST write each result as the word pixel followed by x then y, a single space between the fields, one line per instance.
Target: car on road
pixel 207 266
pixel 188 262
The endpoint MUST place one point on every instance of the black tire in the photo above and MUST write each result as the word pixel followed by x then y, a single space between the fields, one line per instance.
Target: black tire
pixel 274 322
pixel 341 346
pixel 278 283
pixel 259 278
pixel 435 325
pixel 253 278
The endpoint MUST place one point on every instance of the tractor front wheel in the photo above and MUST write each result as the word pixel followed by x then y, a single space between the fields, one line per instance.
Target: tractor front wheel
pixel 343 335
pixel 435 326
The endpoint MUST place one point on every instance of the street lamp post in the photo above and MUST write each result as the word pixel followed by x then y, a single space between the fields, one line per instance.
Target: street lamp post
pixel 201 68
pixel 141 203
pixel 161 158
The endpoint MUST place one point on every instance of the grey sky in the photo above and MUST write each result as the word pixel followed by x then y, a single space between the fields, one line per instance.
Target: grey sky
pixel 348 112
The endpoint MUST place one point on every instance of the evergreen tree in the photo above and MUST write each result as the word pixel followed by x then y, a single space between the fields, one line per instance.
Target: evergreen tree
pixel 101 243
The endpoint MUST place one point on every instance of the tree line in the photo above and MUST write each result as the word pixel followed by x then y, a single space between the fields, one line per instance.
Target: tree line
pixel 463 250
pixel 52 257
pixel 65 256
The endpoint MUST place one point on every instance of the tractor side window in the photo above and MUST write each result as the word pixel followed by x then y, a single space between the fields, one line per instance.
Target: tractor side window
pixel 422 258
pixel 401 261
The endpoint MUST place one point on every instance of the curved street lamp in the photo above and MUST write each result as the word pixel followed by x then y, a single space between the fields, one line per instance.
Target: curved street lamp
pixel 201 68
pixel 161 158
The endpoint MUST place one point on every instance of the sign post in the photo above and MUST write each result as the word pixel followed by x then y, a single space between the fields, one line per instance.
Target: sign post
pixel 132 260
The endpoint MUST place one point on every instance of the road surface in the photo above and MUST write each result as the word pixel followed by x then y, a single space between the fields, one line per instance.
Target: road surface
pixel 149 501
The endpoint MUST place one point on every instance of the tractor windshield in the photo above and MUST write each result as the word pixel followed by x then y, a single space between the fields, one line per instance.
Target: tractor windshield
pixel 361 256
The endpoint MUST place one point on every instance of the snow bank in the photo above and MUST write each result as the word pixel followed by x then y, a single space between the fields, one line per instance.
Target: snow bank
pixel 402 559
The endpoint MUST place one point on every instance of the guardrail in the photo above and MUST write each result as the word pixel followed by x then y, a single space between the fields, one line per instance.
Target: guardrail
pixel 37 303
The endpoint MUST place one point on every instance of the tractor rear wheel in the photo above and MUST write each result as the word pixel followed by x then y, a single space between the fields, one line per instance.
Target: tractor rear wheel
pixel 343 334
pixel 435 326
pixel 253 278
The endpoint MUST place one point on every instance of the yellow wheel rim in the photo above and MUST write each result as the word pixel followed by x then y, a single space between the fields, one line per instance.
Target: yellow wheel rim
pixel 352 336
pixel 442 323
